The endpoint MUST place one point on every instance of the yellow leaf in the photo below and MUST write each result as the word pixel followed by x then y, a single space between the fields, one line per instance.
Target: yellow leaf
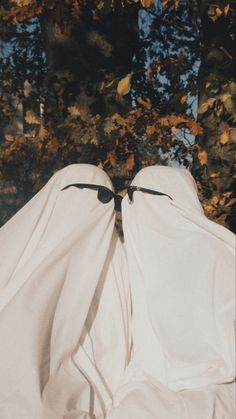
pixel 32 118
pixel 42 133
pixel 22 3
pixel 109 84
pixel 215 199
pixel 205 105
pixel 214 175
pixel 175 130
pixel 74 111
pixel 218 12
pixel 224 138
pixel 146 103
pixel 124 85
pixel 176 4
pixel 225 96
pixel 202 157
pixel 226 9
pixel 209 209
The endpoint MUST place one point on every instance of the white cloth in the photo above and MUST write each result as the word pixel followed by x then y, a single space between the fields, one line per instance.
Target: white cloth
pixel 65 301
pixel 61 267
pixel 182 278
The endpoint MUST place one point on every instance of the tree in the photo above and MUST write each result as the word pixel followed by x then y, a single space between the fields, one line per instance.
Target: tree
pixel 99 86
pixel 214 163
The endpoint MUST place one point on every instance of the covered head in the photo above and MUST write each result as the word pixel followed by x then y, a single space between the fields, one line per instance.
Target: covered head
pixel 181 270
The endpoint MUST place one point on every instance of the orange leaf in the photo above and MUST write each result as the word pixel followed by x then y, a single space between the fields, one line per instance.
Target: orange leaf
pixel 183 99
pixel 224 138
pixel 202 157
pixel 124 85
pixel 226 9
pixel 146 103
pixel 218 12
pixel 150 129
pixel 176 4
pixel 53 145
pixel 111 158
pixel 147 3
pixel 130 162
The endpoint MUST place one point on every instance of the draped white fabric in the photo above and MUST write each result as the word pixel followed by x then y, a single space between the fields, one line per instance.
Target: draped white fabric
pixel 92 328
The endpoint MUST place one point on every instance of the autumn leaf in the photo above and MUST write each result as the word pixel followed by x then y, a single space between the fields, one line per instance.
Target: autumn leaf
pixel 214 175
pixel 20 139
pixel 111 157
pixel 53 145
pixel 144 102
pixel 226 9
pixel 130 163
pixel 42 133
pixel 218 12
pixel 214 12
pixel 150 129
pixel 124 85
pixel 147 3
pixel 176 4
pixel 32 118
pixel 209 209
pixel 215 199
pixel 109 84
pixel 183 99
pixel 205 105
pixel 74 111
pixel 23 3
pixel 202 157
pixel 224 138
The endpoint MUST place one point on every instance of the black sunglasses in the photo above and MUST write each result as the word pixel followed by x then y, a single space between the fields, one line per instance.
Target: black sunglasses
pixel 104 194
pixel 132 189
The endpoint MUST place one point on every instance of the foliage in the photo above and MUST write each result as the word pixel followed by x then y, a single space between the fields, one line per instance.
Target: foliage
pixel 91 86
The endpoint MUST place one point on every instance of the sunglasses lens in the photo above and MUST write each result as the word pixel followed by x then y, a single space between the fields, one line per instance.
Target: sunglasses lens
pixel 104 195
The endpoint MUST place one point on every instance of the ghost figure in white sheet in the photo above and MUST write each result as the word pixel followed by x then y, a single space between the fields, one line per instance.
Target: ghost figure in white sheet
pixel 182 277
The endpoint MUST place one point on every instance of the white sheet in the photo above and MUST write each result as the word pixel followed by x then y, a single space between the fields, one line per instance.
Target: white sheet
pixel 65 301
pixel 60 267
pixel 182 277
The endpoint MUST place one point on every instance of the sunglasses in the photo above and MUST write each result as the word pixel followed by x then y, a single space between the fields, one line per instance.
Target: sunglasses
pixel 105 194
